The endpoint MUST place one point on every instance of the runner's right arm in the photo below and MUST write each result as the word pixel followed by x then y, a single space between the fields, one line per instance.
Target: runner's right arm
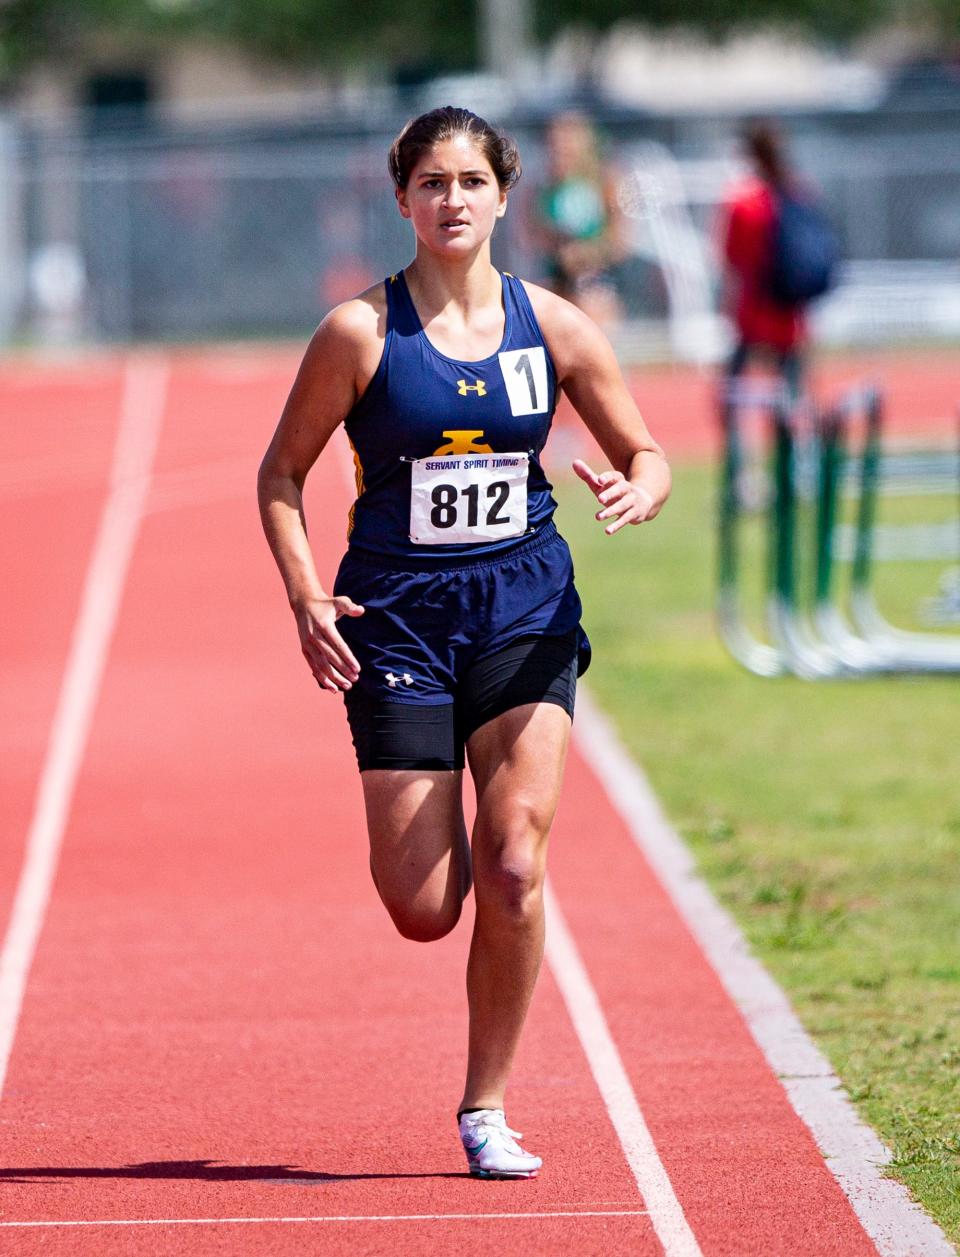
pixel 335 369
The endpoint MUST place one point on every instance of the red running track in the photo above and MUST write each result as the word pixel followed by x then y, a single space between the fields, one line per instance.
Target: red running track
pixel 220 1023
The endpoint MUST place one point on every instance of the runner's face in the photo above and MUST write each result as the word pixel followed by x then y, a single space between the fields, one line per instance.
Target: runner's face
pixel 452 198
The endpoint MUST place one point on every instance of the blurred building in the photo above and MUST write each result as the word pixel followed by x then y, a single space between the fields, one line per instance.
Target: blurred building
pixel 185 77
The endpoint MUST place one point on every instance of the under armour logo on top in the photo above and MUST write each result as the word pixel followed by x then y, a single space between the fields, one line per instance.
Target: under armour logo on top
pixel 393 681
pixel 463 388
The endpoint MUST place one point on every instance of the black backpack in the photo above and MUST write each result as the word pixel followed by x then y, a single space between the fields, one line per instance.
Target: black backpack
pixel 804 252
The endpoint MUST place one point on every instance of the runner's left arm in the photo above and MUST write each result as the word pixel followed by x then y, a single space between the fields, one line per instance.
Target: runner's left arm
pixel 638 482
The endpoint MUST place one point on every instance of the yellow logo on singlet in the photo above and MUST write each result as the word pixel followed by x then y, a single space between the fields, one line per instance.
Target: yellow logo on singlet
pixel 463 441
pixel 463 388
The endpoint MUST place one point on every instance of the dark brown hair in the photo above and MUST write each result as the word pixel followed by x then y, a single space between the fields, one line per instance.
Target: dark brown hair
pixel 420 135
pixel 766 147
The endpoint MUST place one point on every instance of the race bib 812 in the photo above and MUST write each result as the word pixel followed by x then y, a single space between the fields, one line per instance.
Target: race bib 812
pixel 461 498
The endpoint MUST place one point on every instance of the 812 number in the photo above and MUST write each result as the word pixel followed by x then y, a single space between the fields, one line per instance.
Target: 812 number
pixel 444 498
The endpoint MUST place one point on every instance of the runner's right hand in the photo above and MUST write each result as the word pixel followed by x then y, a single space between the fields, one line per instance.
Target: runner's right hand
pixel 330 658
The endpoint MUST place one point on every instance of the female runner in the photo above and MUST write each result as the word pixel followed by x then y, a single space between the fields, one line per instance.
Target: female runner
pixel 454 623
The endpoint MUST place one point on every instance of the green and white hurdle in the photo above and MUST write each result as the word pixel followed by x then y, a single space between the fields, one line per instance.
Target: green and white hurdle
pixel 793 470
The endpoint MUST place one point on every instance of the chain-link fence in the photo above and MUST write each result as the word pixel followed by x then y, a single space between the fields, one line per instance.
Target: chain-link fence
pixel 184 233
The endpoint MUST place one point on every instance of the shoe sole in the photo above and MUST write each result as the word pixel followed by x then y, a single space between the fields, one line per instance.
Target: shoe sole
pixel 477 1173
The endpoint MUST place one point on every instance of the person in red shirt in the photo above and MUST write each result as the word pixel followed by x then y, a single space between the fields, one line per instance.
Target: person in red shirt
pixel 765 328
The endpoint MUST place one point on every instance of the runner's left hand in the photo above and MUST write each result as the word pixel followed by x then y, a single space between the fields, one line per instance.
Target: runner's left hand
pixel 621 501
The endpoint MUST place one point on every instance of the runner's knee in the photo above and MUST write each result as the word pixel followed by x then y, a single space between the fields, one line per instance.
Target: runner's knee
pixel 424 925
pixel 423 910
pixel 510 878
pixel 513 886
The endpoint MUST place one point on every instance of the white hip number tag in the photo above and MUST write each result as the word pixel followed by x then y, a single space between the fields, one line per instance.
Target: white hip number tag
pixel 468 497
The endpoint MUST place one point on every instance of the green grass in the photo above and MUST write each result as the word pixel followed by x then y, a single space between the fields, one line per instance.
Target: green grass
pixel 825 816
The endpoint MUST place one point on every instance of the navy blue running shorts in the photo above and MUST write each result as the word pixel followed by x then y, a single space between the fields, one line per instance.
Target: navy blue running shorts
pixel 443 649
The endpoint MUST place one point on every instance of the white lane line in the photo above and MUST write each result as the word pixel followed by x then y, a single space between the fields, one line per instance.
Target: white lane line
pixel 144 394
pixel 382 1217
pixel 853 1152
pixel 582 1003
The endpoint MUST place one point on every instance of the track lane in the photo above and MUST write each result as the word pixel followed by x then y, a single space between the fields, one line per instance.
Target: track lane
pixel 745 1168
pixel 221 1022
pixel 179 967
pixel 56 438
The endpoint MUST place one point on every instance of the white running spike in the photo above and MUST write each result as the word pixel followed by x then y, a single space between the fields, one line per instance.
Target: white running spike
pixel 491 1147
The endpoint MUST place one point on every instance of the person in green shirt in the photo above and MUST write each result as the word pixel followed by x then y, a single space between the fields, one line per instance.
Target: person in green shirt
pixel 576 220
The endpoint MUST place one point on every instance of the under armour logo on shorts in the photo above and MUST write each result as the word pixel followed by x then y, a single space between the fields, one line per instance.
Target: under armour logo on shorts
pixel 393 681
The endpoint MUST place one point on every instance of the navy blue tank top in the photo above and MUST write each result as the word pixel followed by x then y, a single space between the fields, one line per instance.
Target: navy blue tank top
pixel 421 403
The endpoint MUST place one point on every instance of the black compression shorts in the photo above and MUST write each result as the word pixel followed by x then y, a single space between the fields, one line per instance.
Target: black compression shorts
pixel 391 734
